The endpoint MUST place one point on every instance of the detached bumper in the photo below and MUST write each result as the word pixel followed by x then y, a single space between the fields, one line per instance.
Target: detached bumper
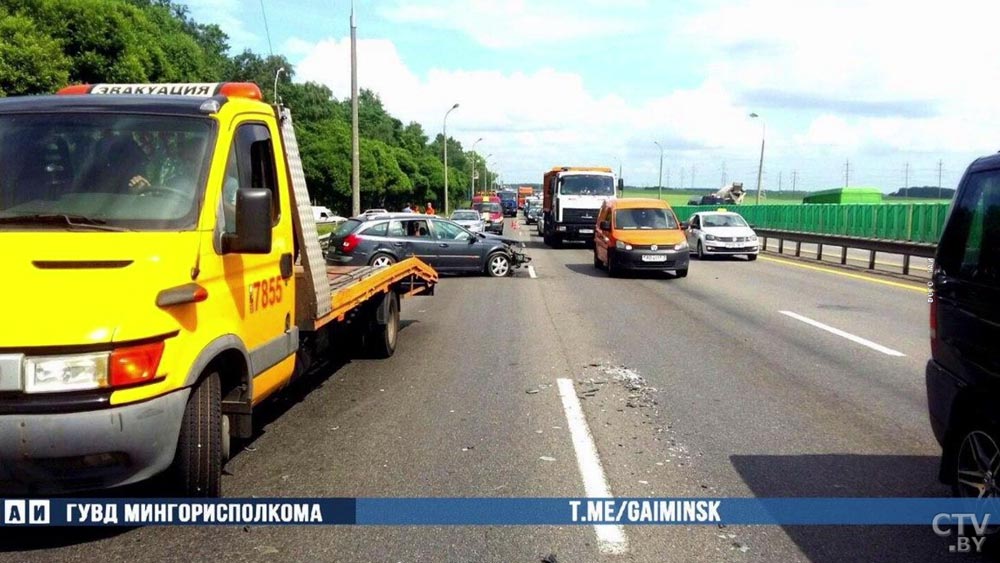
pixel 639 259
pixel 88 450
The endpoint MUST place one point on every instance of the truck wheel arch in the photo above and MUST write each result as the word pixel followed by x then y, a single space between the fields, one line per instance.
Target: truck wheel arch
pixel 228 356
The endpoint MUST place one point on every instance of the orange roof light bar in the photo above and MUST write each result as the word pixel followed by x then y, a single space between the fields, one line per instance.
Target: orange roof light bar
pixel 74 90
pixel 245 90
pixel 241 90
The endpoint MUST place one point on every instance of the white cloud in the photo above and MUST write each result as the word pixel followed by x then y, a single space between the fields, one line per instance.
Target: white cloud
pixel 517 23
pixel 532 121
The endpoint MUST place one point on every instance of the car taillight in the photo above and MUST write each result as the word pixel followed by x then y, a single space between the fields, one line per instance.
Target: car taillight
pixel 349 244
pixel 135 364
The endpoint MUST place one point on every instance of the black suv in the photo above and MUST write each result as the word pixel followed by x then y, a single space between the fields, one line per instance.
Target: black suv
pixel 963 375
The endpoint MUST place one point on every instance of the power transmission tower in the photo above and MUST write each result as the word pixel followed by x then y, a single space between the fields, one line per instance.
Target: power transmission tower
pixel 940 167
pixel 847 172
pixel 906 180
pixel 795 175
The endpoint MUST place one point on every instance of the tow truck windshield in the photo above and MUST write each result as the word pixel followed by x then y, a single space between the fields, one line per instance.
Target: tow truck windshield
pixel 587 184
pixel 136 172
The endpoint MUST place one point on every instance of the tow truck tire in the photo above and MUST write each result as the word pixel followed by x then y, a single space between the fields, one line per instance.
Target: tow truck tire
pixel 381 338
pixel 197 466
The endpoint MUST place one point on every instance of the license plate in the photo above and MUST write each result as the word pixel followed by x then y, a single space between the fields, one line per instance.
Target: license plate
pixel 586 231
pixel 654 258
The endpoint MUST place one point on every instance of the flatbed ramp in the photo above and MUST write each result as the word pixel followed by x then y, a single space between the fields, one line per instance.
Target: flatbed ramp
pixel 350 286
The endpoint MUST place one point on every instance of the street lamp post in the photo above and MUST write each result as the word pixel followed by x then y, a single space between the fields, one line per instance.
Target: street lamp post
pixel 472 184
pixel 445 134
pixel 760 165
pixel 659 182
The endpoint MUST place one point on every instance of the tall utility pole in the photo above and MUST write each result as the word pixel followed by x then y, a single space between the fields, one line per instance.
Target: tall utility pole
pixel 355 139
pixel 659 183
pixel 940 167
pixel 795 176
pixel 444 133
pixel 760 166
pixel 847 172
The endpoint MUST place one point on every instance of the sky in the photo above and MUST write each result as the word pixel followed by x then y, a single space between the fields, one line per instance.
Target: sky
pixel 846 91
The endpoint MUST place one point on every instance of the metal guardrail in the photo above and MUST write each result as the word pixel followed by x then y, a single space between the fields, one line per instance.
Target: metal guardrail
pixel 873 246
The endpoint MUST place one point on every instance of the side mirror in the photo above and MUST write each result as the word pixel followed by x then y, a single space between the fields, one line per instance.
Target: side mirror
pixel 253 223
pixel 605 225
pixel 685 225
pixel 621 186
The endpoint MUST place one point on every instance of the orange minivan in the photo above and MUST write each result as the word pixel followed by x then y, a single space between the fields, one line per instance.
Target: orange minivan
pixel 639 234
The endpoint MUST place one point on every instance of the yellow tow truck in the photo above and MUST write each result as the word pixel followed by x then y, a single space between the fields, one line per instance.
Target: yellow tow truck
pixel 162 275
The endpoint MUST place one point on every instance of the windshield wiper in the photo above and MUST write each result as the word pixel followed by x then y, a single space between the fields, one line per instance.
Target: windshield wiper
pixel 60 218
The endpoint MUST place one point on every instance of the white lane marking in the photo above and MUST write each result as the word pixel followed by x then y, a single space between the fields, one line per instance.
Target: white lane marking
pixel 531 272
pixel 610 538
pixel 847 335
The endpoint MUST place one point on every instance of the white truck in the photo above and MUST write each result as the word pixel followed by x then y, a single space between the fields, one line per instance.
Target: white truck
pixel 571 199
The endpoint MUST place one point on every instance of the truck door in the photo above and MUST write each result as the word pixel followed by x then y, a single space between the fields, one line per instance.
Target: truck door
pixel 261 285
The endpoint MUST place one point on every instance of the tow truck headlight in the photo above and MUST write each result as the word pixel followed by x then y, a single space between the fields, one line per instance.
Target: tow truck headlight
pixel 681 246
pixel 77 372
pixel 622 245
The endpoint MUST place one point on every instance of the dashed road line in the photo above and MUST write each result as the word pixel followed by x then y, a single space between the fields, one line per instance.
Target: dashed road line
pixel 843 334
pixel 610 537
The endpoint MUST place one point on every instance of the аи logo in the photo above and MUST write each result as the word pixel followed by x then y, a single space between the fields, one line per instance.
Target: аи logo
pixel 20 512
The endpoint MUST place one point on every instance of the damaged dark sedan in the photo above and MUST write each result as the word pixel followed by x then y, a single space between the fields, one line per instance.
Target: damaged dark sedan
pixel 447 246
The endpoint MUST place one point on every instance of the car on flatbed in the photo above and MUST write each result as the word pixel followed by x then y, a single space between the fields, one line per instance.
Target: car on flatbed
pixel 383 240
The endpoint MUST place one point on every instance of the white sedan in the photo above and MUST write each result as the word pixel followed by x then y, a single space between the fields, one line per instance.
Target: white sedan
pixel 470 219
pixel 713 233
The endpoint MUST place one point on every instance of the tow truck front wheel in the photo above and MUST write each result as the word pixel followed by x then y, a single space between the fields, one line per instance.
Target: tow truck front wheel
pixel 197 466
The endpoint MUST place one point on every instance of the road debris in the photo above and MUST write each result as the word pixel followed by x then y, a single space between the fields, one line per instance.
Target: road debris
pixel 547 458
pixel 532 391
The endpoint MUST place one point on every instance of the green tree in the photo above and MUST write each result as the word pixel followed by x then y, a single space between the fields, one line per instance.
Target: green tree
pixel 31 61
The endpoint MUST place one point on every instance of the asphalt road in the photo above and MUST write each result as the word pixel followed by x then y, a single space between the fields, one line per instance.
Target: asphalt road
pixel 719 384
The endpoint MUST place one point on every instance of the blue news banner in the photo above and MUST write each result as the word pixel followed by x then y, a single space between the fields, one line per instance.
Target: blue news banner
pixel 492 511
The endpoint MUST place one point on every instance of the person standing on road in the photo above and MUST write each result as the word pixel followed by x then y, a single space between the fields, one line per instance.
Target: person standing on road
pixel 429 210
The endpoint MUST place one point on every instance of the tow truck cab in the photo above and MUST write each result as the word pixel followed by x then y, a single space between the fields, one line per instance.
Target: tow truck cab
pixel 162 247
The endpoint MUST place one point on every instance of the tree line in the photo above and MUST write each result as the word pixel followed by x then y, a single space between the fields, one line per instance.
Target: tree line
pixel 47 44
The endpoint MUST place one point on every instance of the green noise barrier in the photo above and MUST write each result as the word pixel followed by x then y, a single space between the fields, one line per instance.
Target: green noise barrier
pixel 908 222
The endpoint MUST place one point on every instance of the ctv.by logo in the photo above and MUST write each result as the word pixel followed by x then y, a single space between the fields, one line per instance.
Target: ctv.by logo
pixel 943 523
pixel 20 512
